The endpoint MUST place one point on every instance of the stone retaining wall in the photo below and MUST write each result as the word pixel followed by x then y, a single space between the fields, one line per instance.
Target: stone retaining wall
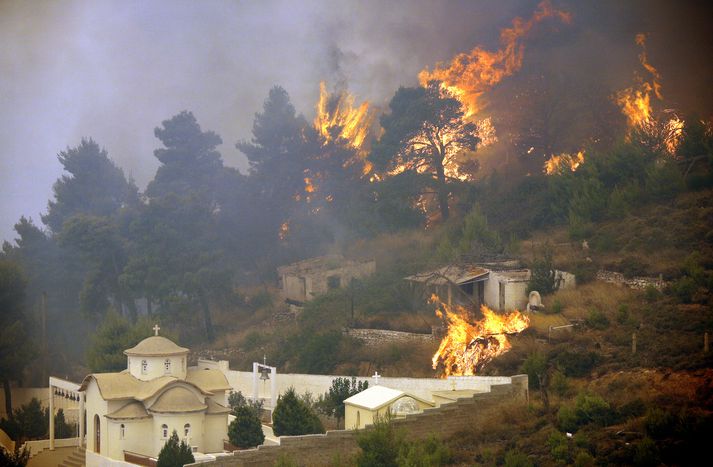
pixel 638 283
pixel 381 336
pixel 322 450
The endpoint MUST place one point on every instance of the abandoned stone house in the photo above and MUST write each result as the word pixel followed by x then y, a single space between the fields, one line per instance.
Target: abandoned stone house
pixel 501 286
pixel 304 280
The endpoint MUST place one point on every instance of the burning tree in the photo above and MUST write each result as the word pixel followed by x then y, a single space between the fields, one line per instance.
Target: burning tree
pixel 424 133
pixel 469 346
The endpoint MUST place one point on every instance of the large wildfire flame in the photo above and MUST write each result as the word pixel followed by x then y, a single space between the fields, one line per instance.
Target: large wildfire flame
pixel 337 117
pixel 635 103
pixel 468 347
pixel 471 74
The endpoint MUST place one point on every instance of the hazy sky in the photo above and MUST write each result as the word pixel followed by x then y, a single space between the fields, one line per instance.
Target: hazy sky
pixel 113 70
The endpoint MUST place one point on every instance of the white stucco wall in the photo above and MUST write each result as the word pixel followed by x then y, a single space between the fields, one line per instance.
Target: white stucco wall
pixel 138 437
pixel 96 460
pixel 95 405
pixel 358 417
pixel 515 292
pixel 177 422
pixel 319 384
pixel 156 368
pixel 217 428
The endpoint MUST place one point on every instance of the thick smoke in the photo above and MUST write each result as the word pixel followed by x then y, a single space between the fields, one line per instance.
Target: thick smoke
pixel 114 70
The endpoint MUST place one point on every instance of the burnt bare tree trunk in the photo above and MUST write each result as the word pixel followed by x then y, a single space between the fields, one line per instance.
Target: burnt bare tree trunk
pixel 442 188
pixel 8 398
pixel 207 321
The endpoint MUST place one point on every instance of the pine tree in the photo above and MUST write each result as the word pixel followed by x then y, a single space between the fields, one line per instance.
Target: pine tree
pixel 246 430
pixel 175 454
pixel 293 417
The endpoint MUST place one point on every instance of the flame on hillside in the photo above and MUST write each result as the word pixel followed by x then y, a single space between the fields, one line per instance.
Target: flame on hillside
pixel 338 118
pixel 471 74
pixel 635 103
pixel 469 346
pixel 558 162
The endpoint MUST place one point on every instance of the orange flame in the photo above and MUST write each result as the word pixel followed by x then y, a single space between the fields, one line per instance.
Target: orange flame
pixel 309 186
pixel 635 103
pixel 468 347
pixel 471 74
pixel 558 162
pixel 338 118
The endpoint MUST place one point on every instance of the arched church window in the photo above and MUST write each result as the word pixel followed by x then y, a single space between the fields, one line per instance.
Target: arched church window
pixel 164 431
pixel 144 367
pixel 167 366
pixel 187 430
pixel 183 363
pixel 122 431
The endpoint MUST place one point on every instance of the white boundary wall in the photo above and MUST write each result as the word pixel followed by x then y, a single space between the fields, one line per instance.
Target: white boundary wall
pixel 96 460
pixel 319 384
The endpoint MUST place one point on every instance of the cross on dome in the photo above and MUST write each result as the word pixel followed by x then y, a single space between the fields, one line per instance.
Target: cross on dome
pixel 376 377
pixel 156 329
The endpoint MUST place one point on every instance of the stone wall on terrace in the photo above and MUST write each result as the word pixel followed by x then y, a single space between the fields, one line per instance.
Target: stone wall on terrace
pixel 322 450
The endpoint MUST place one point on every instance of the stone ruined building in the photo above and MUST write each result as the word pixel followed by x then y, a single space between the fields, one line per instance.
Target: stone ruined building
pixel 501 286
pixel 302 281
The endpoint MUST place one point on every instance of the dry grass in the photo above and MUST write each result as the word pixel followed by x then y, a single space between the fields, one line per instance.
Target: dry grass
pixel 541 322
pixel 578 302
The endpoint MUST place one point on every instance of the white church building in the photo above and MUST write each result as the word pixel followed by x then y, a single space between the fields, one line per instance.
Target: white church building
pixel 132 413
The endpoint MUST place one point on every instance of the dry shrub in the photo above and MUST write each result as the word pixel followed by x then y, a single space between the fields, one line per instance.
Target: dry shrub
pixel 578 302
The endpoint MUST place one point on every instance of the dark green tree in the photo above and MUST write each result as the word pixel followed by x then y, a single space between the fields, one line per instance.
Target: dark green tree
pixel 61 428
pixel 293 417
pixel 106 349
pixel 15 349
pixel 102 248
pixel 30 421
pixel 246 430
pixel 175 454
pixel 177 254
pixel 190 163
pixel 278 158
pixel 332 403
pixel 424 132
pixel 379 445
pixel 236 400
pixel 696 139
pixel 94 185
pixel 54 279
pixel 19 458
pixel 542 278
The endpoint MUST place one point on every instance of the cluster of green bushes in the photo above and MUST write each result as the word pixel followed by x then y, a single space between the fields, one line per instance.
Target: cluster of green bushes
pixel 386 446
pixel 560 359
pixel 31 421
pixel 696 280
pixel 294 416
pixel 175 453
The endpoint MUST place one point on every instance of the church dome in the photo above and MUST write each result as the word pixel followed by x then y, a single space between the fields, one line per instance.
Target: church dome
pixel 405 406
pixel 177 399
pixel 155 346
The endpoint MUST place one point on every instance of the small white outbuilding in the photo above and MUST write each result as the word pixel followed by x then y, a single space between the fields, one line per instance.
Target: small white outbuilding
pixel 379 401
